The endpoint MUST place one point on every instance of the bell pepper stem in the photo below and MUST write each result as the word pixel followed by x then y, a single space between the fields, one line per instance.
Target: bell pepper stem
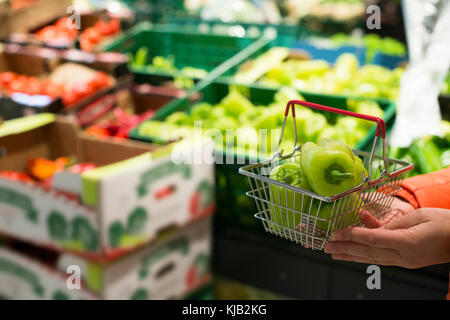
pixel 343 175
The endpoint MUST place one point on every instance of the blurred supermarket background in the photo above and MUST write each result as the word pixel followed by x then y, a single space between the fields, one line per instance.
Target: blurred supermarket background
pixel 86 140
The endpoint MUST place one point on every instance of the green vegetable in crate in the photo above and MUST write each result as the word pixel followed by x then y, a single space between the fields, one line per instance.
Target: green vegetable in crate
pixel 292 174
pixel 235 103
pixel 314 125
pixel 426 155
pixel 200 111
pixel 179 118
pixel 346 64
pixel 311 67
pixel 84 232
pixel 328 168
pixel 163 63
pixel 141 57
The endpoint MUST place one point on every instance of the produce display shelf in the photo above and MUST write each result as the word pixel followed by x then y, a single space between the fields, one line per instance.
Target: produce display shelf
pixel 188 48
pixel 280 266
pixel 285 34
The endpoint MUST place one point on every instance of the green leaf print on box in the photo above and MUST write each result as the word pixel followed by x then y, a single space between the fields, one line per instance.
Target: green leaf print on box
pixel 162 170
pixel 83 231
pixel 181 244
pixel 119 236
pixel 115 232
pixel 57 226
pixel 202 261
pixel 78 235
pixel 21 201
pixel 19 271
pixel 59 295
pixel 136 221
pixel 139 294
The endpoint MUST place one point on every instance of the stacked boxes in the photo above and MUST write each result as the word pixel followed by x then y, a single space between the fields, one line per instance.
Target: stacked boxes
pixel 137 191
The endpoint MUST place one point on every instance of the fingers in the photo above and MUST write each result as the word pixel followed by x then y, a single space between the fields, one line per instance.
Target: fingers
pixel 369 220
pixel 378 238
pixel 361 251
pixel 405 222
pixel 346 257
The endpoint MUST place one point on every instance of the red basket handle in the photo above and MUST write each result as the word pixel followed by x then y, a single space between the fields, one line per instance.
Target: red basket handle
pixel 381 127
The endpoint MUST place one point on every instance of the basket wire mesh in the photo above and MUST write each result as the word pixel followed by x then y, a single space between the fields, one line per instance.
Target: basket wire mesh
pixel 307 218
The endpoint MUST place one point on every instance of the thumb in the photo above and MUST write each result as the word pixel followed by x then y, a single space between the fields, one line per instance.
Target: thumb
pixel 405 222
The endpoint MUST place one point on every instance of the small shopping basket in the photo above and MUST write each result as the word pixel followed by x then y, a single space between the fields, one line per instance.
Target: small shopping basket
pixel 308 218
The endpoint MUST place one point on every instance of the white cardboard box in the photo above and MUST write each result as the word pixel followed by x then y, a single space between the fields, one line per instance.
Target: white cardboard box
pixel 168 269
pixel 137 191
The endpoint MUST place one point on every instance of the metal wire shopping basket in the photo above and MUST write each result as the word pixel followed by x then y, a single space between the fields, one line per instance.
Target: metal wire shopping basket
pixel 308 218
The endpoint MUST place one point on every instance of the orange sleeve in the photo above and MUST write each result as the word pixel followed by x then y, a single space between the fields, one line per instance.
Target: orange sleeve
pixel 427 190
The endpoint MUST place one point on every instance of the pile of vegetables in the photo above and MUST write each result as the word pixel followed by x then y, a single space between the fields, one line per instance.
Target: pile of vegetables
pixel 92 36
pixel 61 30
pixel 248 122
pixel 42 170
pixel 428 154
pixel 13 83
pixel 119 124
pixel 373 43
pixel 346 77
pixel 326 168
pixel 162 64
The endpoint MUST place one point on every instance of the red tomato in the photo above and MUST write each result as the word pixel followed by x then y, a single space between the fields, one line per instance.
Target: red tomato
pixel 7 77
pixel 69 97
pixel 17 86
pixel 114 26
pixel 82 89
pixel 52 89
pixel 15 175
pixel 100 80
pixel 102 27
pixel 34 86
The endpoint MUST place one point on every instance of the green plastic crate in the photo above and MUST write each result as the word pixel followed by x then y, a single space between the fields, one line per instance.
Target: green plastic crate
pixel 189 48
pixel 233 206
pixel 285 34
pixel 159 11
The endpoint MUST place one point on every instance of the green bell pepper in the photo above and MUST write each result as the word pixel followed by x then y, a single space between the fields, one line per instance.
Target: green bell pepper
pixel 289 173
pixel 329 167
pixel 338 214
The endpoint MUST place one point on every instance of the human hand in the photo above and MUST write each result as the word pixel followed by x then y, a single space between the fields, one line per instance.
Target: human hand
pixel 399 208
pixel 413 240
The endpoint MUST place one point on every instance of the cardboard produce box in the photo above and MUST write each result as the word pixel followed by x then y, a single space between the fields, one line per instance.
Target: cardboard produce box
pixel 35 80
pixel 95 29
pixel 132 106
pixel 30 16
pixel 137 190
pixel 169 269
